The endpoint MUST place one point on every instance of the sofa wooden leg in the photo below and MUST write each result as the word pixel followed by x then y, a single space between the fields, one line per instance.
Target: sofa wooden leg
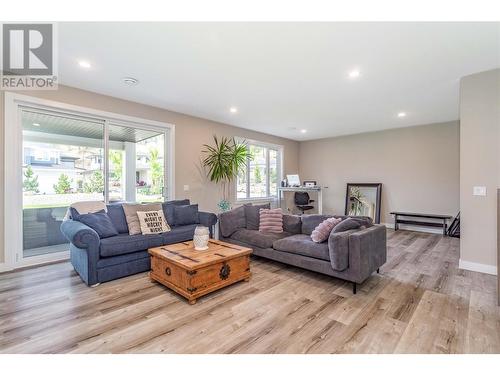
pixel 95 285
pixel 354 288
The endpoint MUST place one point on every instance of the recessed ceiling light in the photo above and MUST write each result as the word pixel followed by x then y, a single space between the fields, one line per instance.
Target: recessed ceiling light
pixel 130 81
pixel 354 74
pixel 402 114
pixel 36 124
pixel 84 64
pixel 303 131
pixel 233 109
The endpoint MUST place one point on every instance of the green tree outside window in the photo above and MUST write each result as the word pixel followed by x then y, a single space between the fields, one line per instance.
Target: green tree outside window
pixel 95 183
pixel 30 183
pixel 156 171
pixel 116 159
pixel 63 185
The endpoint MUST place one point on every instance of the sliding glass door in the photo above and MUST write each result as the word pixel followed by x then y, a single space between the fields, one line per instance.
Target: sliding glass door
pixel 67 158
pixel 62 163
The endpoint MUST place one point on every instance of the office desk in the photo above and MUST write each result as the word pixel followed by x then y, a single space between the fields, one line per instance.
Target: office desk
pixel 315 189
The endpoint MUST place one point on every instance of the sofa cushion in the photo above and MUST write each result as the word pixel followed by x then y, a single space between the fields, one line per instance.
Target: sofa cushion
pixel 252 215
pixel 124 244
pixel 309 222
pixel 98 221
pixel 186 215
pixel 292 224
pixel 168 209
pixel 302 244
pixel 154 240
pixel 117 216
pixel 231 221
pixel 256 238
pixel 179 234
pixel 124 259
pixel 131 215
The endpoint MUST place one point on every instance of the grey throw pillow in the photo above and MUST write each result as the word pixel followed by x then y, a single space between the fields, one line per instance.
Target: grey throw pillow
pixel 252 214
pixel 185 215
pixel 168 209
pixel 98 221
pixel 292 224
pixel 352 223
pixel 365 221
pixel 231 221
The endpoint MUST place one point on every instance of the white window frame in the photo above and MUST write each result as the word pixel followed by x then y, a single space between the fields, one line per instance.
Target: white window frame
pixel 269 146
pixel 13 146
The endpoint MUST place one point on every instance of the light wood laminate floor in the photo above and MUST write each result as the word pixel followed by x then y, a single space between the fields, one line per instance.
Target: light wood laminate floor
pixel 419 303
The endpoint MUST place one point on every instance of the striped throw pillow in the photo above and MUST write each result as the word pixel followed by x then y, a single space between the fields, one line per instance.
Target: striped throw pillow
pixel 271 220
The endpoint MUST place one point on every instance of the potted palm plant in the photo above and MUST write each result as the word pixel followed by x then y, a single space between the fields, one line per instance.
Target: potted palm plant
pixel 223 160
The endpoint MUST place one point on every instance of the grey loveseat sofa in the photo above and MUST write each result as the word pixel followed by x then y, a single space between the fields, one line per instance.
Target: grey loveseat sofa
pixel 352 255
pixel 98 260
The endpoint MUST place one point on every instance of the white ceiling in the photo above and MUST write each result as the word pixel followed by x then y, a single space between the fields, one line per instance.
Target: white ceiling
pixel 284 77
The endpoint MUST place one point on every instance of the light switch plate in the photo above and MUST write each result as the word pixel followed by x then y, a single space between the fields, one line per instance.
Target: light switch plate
pixel 479 191
pixel 186 187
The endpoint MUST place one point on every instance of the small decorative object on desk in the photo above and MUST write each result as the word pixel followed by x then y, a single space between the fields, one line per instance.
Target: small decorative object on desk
pixel 200 238
pixel 310 183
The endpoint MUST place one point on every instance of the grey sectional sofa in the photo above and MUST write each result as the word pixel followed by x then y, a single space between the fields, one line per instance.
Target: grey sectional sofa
pixel 352 255
pixel 98 260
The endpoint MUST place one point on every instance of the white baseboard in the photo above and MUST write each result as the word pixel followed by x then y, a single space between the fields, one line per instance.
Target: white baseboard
pixel 5 268
pixel 477 267
pixel 415 228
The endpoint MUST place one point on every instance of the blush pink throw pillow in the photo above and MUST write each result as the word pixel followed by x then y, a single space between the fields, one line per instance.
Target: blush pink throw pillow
pixel 271 220
pixel 322 231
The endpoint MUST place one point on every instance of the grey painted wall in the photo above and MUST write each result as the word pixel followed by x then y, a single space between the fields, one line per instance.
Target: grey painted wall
pixel 418 167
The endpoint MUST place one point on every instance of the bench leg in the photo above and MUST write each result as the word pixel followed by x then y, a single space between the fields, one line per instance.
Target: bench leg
pixel 353 288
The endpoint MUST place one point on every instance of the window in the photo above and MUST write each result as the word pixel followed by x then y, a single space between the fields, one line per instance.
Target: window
pixel 259 178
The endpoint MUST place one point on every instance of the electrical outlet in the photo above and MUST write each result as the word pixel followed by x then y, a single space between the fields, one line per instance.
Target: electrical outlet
pixel 186 187
pixel 479 191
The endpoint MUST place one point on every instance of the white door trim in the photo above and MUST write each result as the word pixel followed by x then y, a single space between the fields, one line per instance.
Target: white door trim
pixel 13 174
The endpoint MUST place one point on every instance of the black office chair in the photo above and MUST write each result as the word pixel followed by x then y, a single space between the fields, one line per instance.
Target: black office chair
pixel 302 201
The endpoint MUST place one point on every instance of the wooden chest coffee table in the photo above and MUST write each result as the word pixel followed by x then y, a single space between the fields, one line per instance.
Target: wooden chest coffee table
pixel 193 273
